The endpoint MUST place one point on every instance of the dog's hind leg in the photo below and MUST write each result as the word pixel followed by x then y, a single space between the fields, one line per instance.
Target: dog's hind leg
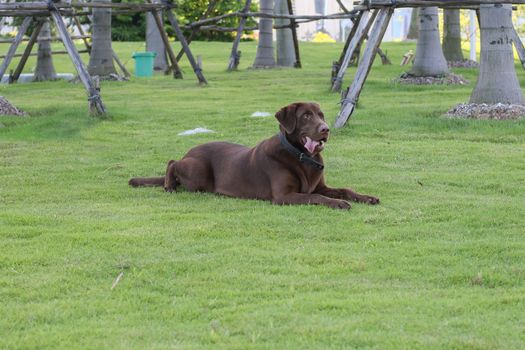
pixel 170 180
pixel 193 173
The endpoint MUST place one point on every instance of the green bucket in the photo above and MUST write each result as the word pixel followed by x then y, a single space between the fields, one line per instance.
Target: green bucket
pixel 144 63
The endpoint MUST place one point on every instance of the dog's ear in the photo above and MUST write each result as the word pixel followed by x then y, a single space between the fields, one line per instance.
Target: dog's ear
pixel 287 118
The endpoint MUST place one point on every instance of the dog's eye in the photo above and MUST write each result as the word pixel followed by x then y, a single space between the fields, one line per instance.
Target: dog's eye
pixel 321 115
pixel 307 116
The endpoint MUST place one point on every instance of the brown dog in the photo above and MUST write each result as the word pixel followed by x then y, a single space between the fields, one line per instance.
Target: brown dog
pixel 285 169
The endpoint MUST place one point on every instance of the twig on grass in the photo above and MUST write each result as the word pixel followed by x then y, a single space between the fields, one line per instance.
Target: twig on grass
pixel 117 280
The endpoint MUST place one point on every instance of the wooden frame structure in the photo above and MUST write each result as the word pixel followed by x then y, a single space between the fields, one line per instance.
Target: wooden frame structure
pixel 295 20
pixel 372 20
pixel 56 10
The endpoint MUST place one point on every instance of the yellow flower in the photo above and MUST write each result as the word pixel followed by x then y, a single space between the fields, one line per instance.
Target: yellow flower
pixel 321 37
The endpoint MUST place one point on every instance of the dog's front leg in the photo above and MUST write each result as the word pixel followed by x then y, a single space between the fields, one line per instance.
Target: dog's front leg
pixel 304 198
pixel 345 193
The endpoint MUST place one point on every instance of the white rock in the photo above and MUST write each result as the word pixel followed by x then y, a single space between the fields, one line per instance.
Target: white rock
pixel 261 114
pixel 195 131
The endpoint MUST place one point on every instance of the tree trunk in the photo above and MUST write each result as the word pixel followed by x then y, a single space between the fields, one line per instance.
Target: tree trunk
pixel 429 60
pixel 265 57
pixel 285 48
pixel 155 44
pixel 45 70
pixel 452 35
pixel 413 28
pixel 101 58
pixel 497 80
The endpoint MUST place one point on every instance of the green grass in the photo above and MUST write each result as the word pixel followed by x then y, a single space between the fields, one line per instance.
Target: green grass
pixel 439 264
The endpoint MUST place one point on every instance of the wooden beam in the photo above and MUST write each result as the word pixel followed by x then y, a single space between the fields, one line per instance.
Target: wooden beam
pixel 351 35
pixel 12 49
pixel 234 55
pixel 119 63
pixel 177 73
pixel 178 32
pixel 82 33
pixel 293 27
pixel 364 27
pixel 194 31
pixel 60 52
pixel 96 107
pixel 49 38
pixel 519 46
pixel 376 35
pixel 43 6
pixel 27 52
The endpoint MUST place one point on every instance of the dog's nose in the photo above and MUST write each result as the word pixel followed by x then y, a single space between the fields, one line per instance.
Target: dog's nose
pixel 323 129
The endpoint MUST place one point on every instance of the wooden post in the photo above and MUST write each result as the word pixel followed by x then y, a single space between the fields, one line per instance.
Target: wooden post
pixel 195 30
pixel 362 30
pixel 32 40
pixel 519 46
pixel 233 61
pixel 12 49
pixel 82 33
pixel 293 27
pixel 384 58
pixel 376 35
pixel 351 35
pixel 177 73
pixel 185 46
pixel 96 107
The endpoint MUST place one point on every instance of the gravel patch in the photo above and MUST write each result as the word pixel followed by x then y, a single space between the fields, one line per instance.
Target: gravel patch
pixel 7 108
pixel 497 111
pixel 463 64
pixel 449 79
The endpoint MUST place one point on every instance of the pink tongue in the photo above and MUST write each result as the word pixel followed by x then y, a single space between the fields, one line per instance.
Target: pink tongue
pixel 310 144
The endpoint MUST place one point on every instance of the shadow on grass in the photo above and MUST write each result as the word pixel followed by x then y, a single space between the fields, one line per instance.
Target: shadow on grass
pixel 54 122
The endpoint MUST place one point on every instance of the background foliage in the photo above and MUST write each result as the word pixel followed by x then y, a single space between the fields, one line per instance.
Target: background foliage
pixel 133 27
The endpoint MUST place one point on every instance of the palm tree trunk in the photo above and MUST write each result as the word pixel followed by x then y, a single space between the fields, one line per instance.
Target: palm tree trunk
pixel 155 44
pixel 265 56
pixel 45 70
pixel 497 80
pixel 429 60
pixel 101 58
pixel 285 48
pixel 452 35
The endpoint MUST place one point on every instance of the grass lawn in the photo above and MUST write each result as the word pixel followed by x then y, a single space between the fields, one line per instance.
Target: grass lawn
pixel 439 264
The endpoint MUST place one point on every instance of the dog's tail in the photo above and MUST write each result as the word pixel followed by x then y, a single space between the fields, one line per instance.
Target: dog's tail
pixel 146 181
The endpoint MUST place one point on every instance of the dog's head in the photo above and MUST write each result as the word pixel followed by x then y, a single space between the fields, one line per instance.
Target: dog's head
pixel 304 126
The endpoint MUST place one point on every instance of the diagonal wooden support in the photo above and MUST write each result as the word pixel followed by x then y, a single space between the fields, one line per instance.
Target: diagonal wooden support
pixel 27 52
pixel 293 27
pixel 376 35
pixel 195 30
pixel 16 42
pixel 363 28
pixel 234 56
pixel 519 46
pixel 178 32
pixel 123 68
pixel 96 107
pixel 177 73
pixel 351 35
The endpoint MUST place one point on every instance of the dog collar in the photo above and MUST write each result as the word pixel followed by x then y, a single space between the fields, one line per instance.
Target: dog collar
pixel 301 156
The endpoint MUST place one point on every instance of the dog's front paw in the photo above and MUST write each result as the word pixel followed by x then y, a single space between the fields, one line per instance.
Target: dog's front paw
pixel 339 204
pixel 370 200
pixel 169 189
